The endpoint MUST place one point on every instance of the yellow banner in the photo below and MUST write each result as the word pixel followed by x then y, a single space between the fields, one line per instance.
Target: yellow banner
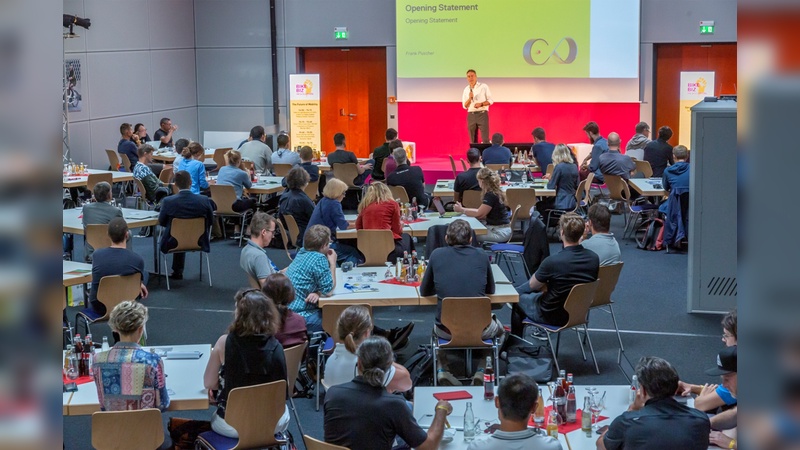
pixel 304 124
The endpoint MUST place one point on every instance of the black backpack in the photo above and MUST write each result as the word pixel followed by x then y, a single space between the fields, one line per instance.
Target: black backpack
pixel 420 367
pixel 650 235
pixel 533 358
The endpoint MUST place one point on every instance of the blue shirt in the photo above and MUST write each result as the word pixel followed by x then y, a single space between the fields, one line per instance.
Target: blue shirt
pixel 497 154
pixel 600 146
pixel 543 153
pixel 309 272
pixel 328 212
pixel 676 176
pixel 726 395
pixel 233 176
pixel 198 172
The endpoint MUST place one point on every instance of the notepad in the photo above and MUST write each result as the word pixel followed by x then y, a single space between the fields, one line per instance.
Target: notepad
pixel 183 355
pixel 454 395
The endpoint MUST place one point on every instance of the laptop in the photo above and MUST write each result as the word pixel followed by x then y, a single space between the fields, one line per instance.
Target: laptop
pixel 437 203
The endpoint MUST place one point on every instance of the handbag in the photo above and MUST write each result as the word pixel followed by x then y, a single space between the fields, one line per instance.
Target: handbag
pixel 533 360
pixel 185 431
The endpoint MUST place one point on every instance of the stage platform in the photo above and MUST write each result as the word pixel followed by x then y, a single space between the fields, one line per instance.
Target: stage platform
pixel 438 167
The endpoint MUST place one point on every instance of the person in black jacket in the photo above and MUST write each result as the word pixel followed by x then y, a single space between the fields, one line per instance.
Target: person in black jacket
pixel 410 177
pixel 659 153
pixel 295 202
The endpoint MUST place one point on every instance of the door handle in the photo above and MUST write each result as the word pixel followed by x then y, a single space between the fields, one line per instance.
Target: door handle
pixel 351 115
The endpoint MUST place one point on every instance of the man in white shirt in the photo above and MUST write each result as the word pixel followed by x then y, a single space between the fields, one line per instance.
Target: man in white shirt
pixel 602 242
pixel 476 100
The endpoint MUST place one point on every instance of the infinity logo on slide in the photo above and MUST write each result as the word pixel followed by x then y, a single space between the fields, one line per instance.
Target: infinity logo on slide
pixel 534 50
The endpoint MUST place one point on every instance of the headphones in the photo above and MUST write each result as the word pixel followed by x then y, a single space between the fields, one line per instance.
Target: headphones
pixel 389 375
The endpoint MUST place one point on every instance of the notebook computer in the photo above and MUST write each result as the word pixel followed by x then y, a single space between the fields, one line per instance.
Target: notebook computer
pixel 437 203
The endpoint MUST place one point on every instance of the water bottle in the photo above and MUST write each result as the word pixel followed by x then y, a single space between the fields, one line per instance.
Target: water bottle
pixel 469 423
pixel 524 176
pixel 634 387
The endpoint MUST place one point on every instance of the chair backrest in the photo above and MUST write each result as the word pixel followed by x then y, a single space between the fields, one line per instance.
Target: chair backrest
pixel 331 313
pixel 578 303
pixel 607 277
pixel 375 245
pixel 285 238
pixel 280 170
pixel 294 357
pixel 95 178
pixel 312 190
pixel 292 228
pixel 617 188
pixel 115 289
pixel 219 157
pixel 399 192
pixel 140 188
pixel 166 175
pixel 126 162
pixel 644 168
pixel 471 199
pixel 127 430
pixel 453 166
pixel 113 159
pixel 466 317
pixel 514 218
pixel 188 232
pixel 550 168
pixel 497 167
pixel 587 193
pixel 248 165
pixel 580 193
pixel 463 164
pixel 525 197
pixel 315 444
pixel 346 172
pixel 224 196
pixel 97 236
pixel 254 411
pixel 253 282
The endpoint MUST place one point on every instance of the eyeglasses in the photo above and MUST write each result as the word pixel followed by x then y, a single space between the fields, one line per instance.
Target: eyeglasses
pixel 727 336
pixel 270 231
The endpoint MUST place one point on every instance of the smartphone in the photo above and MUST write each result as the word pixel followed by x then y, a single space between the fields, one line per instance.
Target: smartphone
pixel 602 429
pixel 492 428
pixel 70 387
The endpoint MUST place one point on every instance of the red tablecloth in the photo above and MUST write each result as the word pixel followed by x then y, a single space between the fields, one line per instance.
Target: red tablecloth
pixel 567 427
pixel 418 220
pixel 399 283
pixel 79 380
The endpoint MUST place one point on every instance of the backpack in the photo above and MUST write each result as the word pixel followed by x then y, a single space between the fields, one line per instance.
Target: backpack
pixel 650 235
pixel 532 358
pixel 420 367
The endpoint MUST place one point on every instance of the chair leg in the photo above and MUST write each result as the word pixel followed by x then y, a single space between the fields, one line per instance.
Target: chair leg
pixel 555 354
pixel 616 327
pixel 319 363
pixel 591 349
pixel 435 351
pixel 208 266
pixel 166 271
pixel 296 417
pixel 580 341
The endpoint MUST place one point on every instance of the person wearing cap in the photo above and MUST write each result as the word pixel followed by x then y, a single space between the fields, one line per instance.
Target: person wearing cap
pixel 726 369
pixel 655 420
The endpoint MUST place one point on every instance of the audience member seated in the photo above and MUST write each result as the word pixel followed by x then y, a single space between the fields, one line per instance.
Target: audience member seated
pixel 233 175
pixel 140 134
pixel 344 156
pixel 184 205
pixel 493 212
pixel 180 144
pixel 313 275
pixel 117 391
pixel 192 164
pixel 558 274
pixel 458 270
pixel 253 259
pixel 381 153
pixel 675 180
pixel 248 355
pixel 292 327
pixel 659 153
pixel 164 133
pixel 153 187
pixel 115 260
pixel 378 211
pixel 328 213
pixel 295 202
pixel 564 179
pixel 656 420
pixel 725 368
pixel 635 147
pixel 99 212
pixel 602 241
pixel 410 177
pixel 391 164
pixel 497 153
pixel 362 415
pixel 613 162
pixel 126 146
pixel 515 402
pixel 541 149
pixel 306 158
pixel 257 151
pixel 599 146
pixel 353 327
pixel 468 179
pixel 284 154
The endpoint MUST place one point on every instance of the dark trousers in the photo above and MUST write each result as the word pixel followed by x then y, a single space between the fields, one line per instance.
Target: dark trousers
pixel 178 261
pixel 478 120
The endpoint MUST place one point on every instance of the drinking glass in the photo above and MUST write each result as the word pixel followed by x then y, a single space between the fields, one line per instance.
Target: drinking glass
pixel 596 405
pixel 389 272
pixel 508 176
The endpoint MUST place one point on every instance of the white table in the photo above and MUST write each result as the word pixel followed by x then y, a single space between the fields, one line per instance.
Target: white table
pixel 387 294
pixel 418 229
pixel 168 156
pixel 76 273
pixel 444 188
pixel 504 291
pixel 265 185
pixel 72 181
pixel 184 382
pixel 646 186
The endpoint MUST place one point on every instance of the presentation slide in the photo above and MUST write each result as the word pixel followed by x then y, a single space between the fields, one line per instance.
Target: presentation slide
pixel 555 39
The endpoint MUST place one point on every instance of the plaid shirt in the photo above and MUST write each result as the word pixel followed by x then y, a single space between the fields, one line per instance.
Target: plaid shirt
pixel 309 272
pixel 128 377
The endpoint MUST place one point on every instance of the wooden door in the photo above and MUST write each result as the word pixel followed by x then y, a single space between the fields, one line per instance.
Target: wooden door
pixel 352 95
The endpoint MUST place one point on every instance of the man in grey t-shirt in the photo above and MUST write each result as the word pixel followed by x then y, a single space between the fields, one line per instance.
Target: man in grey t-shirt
pixel 257 151
pixel 254 260
pixel 602 242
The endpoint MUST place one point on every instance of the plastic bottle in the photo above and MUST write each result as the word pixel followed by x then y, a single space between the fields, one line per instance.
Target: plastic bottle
pixel 469 423
pixel 572 406
pixel 488 380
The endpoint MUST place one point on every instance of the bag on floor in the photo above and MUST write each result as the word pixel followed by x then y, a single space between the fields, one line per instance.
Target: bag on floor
pixel 420 367
pixel 650 235
pixel 531 358
pixel 185 431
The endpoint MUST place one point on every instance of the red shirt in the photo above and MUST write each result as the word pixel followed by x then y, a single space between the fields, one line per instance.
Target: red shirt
pixel 381 216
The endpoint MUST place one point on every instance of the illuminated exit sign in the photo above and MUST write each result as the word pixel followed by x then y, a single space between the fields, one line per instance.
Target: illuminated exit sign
pixel 340 33
pixel 706 27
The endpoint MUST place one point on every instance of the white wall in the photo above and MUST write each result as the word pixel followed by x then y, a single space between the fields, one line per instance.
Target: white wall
pixel 138 65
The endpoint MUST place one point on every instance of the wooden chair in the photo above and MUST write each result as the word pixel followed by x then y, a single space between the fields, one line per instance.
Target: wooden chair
pixel 225 196
pixel 550 168
pixel 95 178
pixel 346 172
pixel 399 192
pixel 330 314
pixel 253 411
pixel 618 190
pixel 526 199
pixel 219 157
pixel 315 444
pixel 166 175
pixel 583 196
pixel 375 245
pixel 465 317
pixel 644 168
pixel 248 165
pixel 280 170
pixel 312 190
pixel 285 241
pixel 142 198
pixel 607 278
pixel 292 229
pixel 96 236
pixel 577 306
pixel 187 232
pixel 294 358
pixel 253 282
pixel 463 165
pixel 471 199
pixel 113 160
pixel 496 167
pixel 111 291
pixel 127 430
pixel 452 165
pixel 126 162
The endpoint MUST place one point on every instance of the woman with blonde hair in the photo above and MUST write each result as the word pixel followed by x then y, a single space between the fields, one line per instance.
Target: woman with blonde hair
pixel 328 213
pixel 247 355
pixel 353 327
pixel 493 211
pixel 564 180
pixel 379 211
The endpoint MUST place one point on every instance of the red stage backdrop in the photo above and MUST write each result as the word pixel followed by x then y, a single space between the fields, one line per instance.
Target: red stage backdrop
pixel 440 128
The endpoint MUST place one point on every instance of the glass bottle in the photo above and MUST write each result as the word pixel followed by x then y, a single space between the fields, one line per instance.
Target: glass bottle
pixel 538 415
pixel 586 416
pixel 634 388
pixel 105 344
pixel 469 423
pixel 572 406
pixel 560 400
pixel 552 424
pixel 488 380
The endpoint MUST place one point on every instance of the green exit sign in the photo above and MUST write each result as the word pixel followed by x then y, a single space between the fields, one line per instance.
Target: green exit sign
pixel 340 33
pixel 706 27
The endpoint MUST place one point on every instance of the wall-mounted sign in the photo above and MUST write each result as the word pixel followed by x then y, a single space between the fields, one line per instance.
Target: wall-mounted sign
pixel 304 110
